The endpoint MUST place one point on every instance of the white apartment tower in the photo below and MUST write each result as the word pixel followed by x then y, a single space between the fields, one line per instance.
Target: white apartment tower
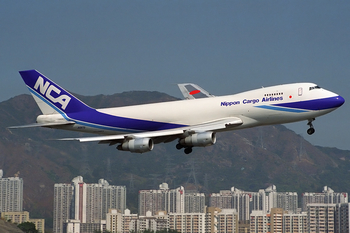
pixel 63 194
pixel 151 200
pixel 86 203
pixel 221 200
pixel 194 202
pixel 244 202
pixel 114 197
pixel 328 196
pixel 342 218
pixel 221 220
pixel 288 201
pixel 187 222
pixel 162 199
pixel 11 194
pixel 321 218
pixel 114 221
pixel 277 220
pixel 175 201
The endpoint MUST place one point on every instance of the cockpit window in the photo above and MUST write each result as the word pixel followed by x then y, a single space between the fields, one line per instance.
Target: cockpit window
pixel 314 87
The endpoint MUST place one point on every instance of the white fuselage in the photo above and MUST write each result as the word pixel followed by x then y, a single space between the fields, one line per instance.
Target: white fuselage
pixel 256 107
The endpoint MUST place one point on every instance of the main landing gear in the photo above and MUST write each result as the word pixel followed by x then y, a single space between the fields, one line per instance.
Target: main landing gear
pixel 188 149
pixel 311 130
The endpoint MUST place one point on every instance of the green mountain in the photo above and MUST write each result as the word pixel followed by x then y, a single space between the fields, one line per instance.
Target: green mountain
pixel 248 159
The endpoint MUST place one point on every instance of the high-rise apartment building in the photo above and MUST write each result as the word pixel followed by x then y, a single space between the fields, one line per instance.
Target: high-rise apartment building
pixel 244 202
pixel 162 199
pixel 342 218
pixel 194 202
pixel 328 196
pixel 187 222
pixel 151 222
pixel 296 223
pixel 174 199
pixel 321 218
pixel 151 200
pixel 221 220
pixel 11 194
pixel 114 221
pixel 63 194
pixel 277 220
pixel 114 197
pixel 129 221
pixel 221 200
pixel 288 201
pixel 87 203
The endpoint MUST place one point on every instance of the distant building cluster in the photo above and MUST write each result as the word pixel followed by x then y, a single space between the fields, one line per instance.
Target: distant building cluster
pixel 170 200
pixel 86 205
pixel 11 202
pixel 81 207
pixel 87 208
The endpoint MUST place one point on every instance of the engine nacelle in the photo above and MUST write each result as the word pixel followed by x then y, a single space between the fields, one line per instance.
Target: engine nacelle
pixel 137 145
pixel 199 139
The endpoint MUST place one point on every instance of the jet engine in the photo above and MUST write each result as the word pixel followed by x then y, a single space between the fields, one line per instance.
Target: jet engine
pixel 199 139
pixel 137 145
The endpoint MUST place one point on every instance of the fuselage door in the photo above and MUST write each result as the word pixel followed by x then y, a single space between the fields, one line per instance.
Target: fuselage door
pixel 300 91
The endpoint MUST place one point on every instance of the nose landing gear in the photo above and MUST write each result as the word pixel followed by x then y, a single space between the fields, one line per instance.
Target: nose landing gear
pixel 311 130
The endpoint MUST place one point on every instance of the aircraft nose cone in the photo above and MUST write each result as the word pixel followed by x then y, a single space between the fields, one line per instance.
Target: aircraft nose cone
pixel 338 101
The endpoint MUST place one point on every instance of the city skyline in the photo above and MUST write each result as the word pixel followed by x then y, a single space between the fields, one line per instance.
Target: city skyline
pixel 87 207
pixel 233 209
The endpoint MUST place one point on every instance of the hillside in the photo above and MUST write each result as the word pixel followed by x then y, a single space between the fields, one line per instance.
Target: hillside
pixel 247 159
pixel 8 227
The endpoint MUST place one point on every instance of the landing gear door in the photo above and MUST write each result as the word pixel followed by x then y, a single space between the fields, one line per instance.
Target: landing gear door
pixel 300 91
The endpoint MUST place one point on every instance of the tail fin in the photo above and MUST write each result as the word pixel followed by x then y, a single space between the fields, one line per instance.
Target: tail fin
pixel 50 97
pixel 193 91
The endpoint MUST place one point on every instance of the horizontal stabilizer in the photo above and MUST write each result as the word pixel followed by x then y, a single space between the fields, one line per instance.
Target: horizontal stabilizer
pixel 42 125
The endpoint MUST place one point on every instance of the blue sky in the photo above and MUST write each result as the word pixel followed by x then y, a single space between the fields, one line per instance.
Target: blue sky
pixel 107 47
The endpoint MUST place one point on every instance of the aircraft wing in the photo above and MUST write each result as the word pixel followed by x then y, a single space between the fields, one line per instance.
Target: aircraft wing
pixel 214 126
pixel 193 91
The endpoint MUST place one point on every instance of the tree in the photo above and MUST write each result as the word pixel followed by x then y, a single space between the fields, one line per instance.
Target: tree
pixel 28 227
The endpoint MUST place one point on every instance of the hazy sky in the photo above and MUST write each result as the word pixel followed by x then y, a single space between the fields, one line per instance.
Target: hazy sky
pixel 107 47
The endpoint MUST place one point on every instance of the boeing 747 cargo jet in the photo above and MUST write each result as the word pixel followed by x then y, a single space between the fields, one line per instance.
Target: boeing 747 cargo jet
pixel 193 122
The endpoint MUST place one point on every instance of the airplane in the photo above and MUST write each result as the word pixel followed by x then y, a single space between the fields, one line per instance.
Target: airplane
pixel 193 122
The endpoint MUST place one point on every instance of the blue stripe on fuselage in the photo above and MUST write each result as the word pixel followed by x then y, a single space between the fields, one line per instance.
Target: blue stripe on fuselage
pixel 308 105
pixel 316 104
pixel 269 107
